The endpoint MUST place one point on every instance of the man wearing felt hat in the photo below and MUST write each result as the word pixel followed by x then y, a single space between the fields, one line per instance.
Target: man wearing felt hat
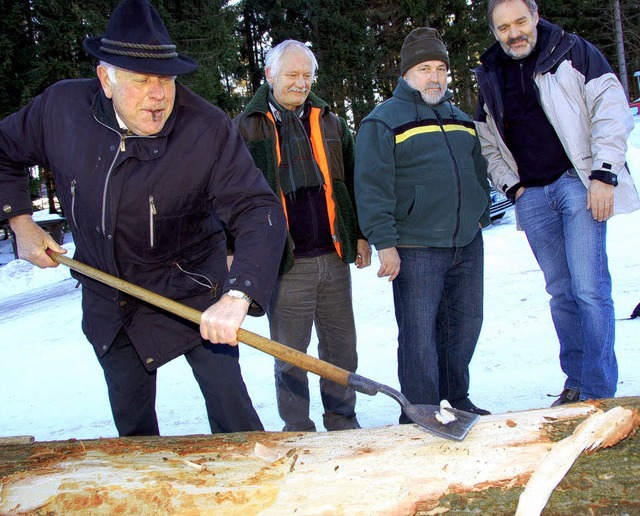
pixel 149 176
pixel 423 198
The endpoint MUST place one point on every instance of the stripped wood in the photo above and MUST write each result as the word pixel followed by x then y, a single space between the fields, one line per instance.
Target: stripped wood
pixel 388 470
pixel 16 439
pixel 602 429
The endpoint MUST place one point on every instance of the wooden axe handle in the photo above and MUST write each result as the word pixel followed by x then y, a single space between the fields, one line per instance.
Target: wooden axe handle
pixel 268 346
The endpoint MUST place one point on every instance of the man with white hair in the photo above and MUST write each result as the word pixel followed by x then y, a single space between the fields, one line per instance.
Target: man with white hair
pixel 306 153
pixel 149 176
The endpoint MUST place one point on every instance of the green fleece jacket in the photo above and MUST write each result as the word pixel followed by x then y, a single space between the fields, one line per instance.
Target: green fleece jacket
pixel 259 133
pixel 420 178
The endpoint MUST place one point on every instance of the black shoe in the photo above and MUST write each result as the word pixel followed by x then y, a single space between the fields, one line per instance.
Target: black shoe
pixel 334 422
pixel 467 406
pixel 567 396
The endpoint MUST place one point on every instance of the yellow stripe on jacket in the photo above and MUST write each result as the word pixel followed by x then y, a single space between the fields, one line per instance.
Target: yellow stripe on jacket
pixel 431 129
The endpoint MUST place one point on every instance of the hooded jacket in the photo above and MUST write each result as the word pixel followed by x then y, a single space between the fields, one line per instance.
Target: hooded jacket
pixel 421 179
pixel 583 100
pixel 150 210
pixel 259 131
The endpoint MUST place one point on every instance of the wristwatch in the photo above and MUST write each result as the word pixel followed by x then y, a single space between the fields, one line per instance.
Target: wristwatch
pixel 236 294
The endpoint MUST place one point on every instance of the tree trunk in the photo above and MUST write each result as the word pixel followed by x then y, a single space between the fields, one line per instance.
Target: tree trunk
pixel 394 470
pixel 622 60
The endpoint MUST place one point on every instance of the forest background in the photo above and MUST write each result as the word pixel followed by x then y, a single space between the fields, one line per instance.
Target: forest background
pixel 357 43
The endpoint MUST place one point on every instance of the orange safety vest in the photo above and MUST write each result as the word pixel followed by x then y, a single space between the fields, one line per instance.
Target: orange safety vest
pixel 320 155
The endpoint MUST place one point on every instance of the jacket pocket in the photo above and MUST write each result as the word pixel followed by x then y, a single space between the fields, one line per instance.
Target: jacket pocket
pixel 170 222
pixel 415 211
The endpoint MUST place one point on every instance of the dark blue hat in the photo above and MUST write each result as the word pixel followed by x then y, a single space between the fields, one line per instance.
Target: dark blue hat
pixel 137 40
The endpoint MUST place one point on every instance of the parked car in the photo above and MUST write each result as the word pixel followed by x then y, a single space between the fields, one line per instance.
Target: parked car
pixel 500 204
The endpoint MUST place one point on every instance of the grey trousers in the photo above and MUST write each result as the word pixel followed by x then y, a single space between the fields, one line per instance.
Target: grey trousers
pixel 316 290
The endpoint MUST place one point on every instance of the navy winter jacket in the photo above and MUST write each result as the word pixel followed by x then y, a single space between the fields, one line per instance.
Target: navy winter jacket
pixel 584 102
pixel 150 210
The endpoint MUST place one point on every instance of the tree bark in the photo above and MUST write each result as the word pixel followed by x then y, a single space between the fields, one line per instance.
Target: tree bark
pixel 388 470
pixel 622 60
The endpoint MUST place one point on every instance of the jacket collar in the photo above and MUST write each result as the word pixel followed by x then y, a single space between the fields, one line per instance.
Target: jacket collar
pixel 552 41
pixel 405 92
pixel 103 111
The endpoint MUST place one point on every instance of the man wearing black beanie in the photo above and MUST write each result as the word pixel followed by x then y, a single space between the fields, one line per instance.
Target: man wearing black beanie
pixel 423 197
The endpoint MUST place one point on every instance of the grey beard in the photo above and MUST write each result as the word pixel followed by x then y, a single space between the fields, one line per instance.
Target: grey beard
pixel 432 100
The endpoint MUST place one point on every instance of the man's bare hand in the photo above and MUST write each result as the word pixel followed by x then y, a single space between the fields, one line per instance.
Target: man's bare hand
pixel 33 241
pixel 220 322
pixel 364 254
pixel 389 263
pixel 600 200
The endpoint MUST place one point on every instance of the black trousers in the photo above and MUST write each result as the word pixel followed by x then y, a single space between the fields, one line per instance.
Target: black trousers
pixel 132 389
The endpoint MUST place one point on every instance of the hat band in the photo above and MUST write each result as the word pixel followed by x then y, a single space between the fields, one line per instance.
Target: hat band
pixel 137 50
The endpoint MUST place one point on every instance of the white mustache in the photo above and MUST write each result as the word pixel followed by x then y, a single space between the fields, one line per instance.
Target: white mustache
pixel 298 90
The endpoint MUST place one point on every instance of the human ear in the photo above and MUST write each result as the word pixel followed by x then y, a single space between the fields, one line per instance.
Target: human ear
pixel 104 81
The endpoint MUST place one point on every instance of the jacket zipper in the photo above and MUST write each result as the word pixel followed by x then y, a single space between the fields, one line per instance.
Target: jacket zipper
pixel 152 213
pixel 73 202
pixel 106 185
pixel 121 148
pixel 457 170
pixel 336 236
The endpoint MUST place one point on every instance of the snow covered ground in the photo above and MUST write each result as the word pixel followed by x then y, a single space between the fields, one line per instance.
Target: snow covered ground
pixel 52 386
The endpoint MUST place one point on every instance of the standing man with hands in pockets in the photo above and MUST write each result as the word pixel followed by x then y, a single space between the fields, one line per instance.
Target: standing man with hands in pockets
pixel 149 176
pixel 554 121
pixel 423 196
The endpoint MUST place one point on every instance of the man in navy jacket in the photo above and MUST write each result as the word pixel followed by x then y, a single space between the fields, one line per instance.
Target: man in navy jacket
pixel 553 120
pixel 149 176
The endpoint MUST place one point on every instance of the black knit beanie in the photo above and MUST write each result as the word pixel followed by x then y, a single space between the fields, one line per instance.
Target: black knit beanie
pixel 423 44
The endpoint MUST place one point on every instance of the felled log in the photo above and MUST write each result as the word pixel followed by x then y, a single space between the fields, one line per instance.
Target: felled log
pixel 388 470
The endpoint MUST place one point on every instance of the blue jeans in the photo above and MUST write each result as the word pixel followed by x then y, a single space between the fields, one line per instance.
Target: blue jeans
pixel 570 247
pixel 316 290
pixel 438 303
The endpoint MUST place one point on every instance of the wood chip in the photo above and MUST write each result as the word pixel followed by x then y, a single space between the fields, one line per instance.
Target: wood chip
pixel 602 429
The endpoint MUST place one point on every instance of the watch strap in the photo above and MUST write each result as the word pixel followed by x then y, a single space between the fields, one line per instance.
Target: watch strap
pixel 237 294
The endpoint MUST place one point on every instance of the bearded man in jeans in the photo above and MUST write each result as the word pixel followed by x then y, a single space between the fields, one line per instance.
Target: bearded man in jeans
pixel 554 121
pixel 423 197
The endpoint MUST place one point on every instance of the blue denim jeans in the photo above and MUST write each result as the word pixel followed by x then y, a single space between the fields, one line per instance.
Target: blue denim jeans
pixel 316 290
pixel 438 299
pixel 570 247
